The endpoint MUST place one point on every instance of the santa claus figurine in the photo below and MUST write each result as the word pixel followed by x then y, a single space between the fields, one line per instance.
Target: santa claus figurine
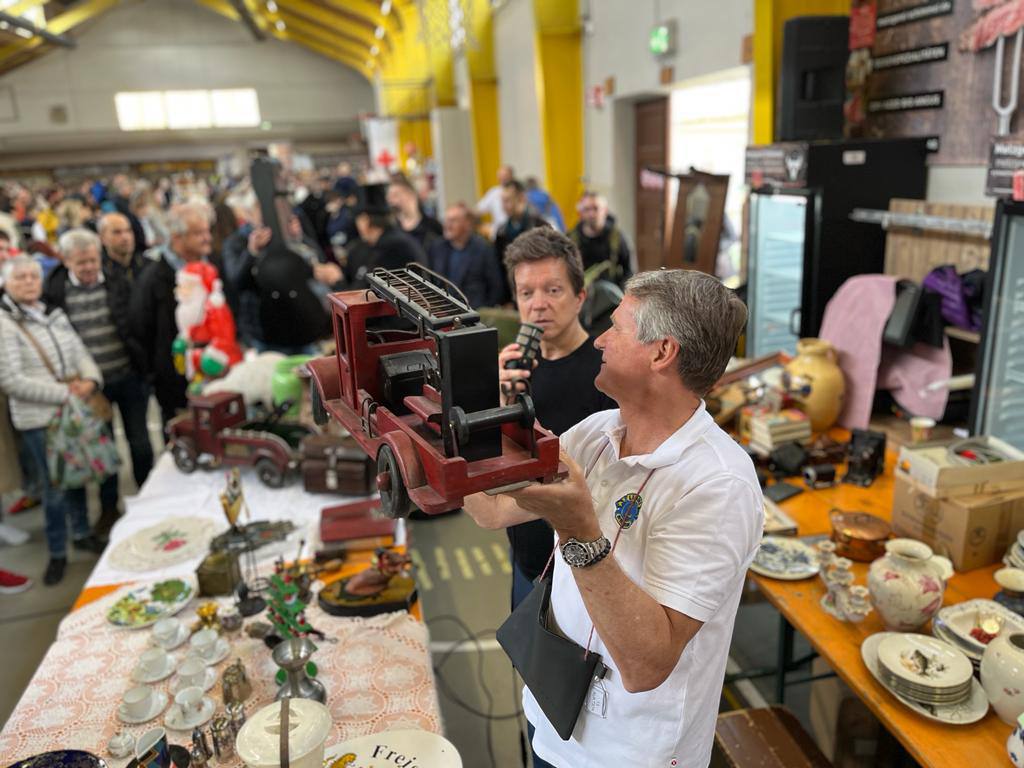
pixel 206 347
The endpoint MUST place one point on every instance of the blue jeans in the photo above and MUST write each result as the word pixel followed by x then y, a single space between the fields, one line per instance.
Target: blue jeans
pixel 31 481
pixel 131 396
pixel 521 584
pixel 57 504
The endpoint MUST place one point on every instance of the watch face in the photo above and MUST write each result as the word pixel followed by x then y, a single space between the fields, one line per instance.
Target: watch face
pixel 575 554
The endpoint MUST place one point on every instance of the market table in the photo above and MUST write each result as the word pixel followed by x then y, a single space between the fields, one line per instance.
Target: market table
pixel 378 673
pixel 932 744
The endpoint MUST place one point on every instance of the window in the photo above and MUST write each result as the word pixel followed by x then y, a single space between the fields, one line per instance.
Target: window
pixel 185 110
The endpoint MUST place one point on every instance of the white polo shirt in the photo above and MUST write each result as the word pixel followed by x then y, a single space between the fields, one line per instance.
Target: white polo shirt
pixel 699 527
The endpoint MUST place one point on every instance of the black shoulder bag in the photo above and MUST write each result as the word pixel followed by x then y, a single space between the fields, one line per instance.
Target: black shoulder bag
pixel 557 671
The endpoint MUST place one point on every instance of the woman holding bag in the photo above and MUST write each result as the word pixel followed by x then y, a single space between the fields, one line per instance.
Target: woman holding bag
pixel 43 364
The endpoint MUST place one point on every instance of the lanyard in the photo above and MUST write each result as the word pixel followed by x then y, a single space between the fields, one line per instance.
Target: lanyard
pixel 631 502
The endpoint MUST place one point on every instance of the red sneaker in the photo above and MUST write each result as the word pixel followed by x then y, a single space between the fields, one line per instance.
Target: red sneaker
pixel 24 504
pixel 13 583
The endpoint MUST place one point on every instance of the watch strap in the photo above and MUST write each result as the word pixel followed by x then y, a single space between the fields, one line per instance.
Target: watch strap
pixel 596 557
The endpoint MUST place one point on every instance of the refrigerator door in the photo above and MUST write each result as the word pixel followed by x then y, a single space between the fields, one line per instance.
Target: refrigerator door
pixel 998 405
pixel 779 226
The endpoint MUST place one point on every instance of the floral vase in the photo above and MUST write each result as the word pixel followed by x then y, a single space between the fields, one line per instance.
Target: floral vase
pixel 1002 676
pixel 1015 744
pixel 814 379
pixel 906 584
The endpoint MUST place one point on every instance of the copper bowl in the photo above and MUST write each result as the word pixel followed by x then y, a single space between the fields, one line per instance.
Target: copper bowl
pixel 859 536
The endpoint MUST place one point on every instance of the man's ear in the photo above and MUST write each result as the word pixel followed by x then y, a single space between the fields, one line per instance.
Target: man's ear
pixel 666 354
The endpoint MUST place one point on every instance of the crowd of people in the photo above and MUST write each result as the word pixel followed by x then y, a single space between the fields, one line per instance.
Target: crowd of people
pixel 93 300
pixel 88 295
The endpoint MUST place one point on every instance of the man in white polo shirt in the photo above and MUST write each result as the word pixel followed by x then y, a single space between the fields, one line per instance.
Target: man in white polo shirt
pixel 660 585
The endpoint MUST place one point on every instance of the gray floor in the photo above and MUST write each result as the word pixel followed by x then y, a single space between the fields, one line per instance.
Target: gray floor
pixel 464 579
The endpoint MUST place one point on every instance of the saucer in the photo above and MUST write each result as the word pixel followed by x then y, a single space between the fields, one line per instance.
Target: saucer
pixel 208 682
pixel 223 650
pixel 182 636
pixel 171 663
pixel 160 700
pixel 176 721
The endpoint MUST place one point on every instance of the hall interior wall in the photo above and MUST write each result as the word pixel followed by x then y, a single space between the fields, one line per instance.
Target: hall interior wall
pixel 171 45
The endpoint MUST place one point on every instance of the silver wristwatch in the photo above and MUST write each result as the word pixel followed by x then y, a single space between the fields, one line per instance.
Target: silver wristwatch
pixel 580 554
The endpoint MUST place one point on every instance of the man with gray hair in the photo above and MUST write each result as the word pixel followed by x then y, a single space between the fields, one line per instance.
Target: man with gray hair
pixel 655 534
pixel 153 303
pixel 95 298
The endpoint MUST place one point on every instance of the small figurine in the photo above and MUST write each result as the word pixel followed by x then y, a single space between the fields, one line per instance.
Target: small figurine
pixel 381 588
pixel 232 499
pixel 206 346
pixel 206 614
pixel 235 684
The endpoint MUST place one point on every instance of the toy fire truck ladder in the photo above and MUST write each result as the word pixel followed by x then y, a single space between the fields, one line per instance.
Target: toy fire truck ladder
pixel 431 304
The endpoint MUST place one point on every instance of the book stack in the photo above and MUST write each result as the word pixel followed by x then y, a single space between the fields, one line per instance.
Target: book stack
pixel 769 431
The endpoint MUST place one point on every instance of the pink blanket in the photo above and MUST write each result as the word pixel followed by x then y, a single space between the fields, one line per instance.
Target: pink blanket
pixel 854 321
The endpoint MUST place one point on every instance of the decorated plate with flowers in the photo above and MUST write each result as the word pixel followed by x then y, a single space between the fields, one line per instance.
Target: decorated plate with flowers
pixel 169 542
pixel 144 606
pixel 781 557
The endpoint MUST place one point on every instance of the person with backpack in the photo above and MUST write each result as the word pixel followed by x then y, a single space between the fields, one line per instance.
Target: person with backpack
pixel 599 239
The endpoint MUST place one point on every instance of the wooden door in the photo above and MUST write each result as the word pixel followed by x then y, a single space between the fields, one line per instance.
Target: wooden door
pixel 651 152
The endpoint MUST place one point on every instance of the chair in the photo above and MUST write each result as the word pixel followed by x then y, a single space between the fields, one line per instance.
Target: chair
pixel 766 738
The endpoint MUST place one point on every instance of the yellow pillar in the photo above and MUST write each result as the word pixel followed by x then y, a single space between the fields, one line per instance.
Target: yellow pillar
pixel 769 18
pixel 559 70
pixel 483 94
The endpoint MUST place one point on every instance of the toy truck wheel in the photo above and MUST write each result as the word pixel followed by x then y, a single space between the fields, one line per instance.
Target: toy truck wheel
pixel 394 497
pixel 184 454
pixel 269 473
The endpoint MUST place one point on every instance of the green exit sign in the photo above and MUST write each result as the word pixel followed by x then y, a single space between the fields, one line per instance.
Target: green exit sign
pixel 662 39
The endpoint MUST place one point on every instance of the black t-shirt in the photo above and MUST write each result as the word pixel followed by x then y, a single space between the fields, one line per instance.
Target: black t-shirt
pixel 564 394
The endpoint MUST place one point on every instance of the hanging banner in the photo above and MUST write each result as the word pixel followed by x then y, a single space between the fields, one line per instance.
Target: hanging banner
pixel 928 69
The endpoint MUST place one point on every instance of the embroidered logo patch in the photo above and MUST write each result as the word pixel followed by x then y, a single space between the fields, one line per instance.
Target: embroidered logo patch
pixel 627 509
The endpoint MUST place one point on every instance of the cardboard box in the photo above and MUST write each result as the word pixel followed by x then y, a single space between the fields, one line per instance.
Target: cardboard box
pixel 972 530
pixel 929 465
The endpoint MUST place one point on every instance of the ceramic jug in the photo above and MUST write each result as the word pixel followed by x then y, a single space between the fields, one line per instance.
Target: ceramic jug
pixel 907 583
pixel 1002 676
pixel 815 380
pixel 1015 744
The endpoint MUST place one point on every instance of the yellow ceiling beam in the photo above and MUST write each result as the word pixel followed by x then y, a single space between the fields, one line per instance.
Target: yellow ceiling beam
pixel 58 25
pixel 325 35
pixel 225 9
pixel 362 21
pixel 316 14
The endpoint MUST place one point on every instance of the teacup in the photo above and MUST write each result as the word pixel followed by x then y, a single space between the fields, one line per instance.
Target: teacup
pixel 152 749
pixel 166 631
pixel 138 701
pixel 153 663
pixel 190 702
pixel 204 643
pixel 192 672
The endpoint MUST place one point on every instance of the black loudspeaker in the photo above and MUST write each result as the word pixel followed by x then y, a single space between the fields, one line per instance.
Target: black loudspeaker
pixel 812 79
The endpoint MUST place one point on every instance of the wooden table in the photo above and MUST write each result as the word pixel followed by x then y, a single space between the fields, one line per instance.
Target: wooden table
pixel 838 643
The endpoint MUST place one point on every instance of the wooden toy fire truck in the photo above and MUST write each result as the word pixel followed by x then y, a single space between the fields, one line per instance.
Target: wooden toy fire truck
pixel 415 380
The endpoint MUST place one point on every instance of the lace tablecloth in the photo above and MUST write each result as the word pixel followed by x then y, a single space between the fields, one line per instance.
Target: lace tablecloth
pixel 378 676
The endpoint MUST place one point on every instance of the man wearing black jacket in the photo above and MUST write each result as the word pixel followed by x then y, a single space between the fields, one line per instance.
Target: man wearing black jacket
pixel 96 298
pixel 520 219
pixel 151 313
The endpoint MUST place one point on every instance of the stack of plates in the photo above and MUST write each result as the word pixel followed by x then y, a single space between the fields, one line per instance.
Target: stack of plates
pixel 925 669
pixel 955 622
pixel 969 710
pixel 1015 554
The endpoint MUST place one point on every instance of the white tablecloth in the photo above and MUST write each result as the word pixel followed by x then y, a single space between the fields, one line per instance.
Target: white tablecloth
pixel 169 492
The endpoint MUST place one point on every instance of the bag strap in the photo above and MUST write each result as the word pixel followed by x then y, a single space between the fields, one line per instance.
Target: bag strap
pixel 39 349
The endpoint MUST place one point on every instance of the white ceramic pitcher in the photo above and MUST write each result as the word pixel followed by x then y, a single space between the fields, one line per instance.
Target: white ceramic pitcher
pixel 907 584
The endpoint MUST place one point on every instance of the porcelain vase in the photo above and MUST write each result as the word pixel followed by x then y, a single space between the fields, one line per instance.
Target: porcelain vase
pixel 1015 744
pixel 1002 676
pixel 907 583
pixel 816 382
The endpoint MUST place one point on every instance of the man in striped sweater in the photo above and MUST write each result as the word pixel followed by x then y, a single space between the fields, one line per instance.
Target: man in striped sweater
pixel 96 301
